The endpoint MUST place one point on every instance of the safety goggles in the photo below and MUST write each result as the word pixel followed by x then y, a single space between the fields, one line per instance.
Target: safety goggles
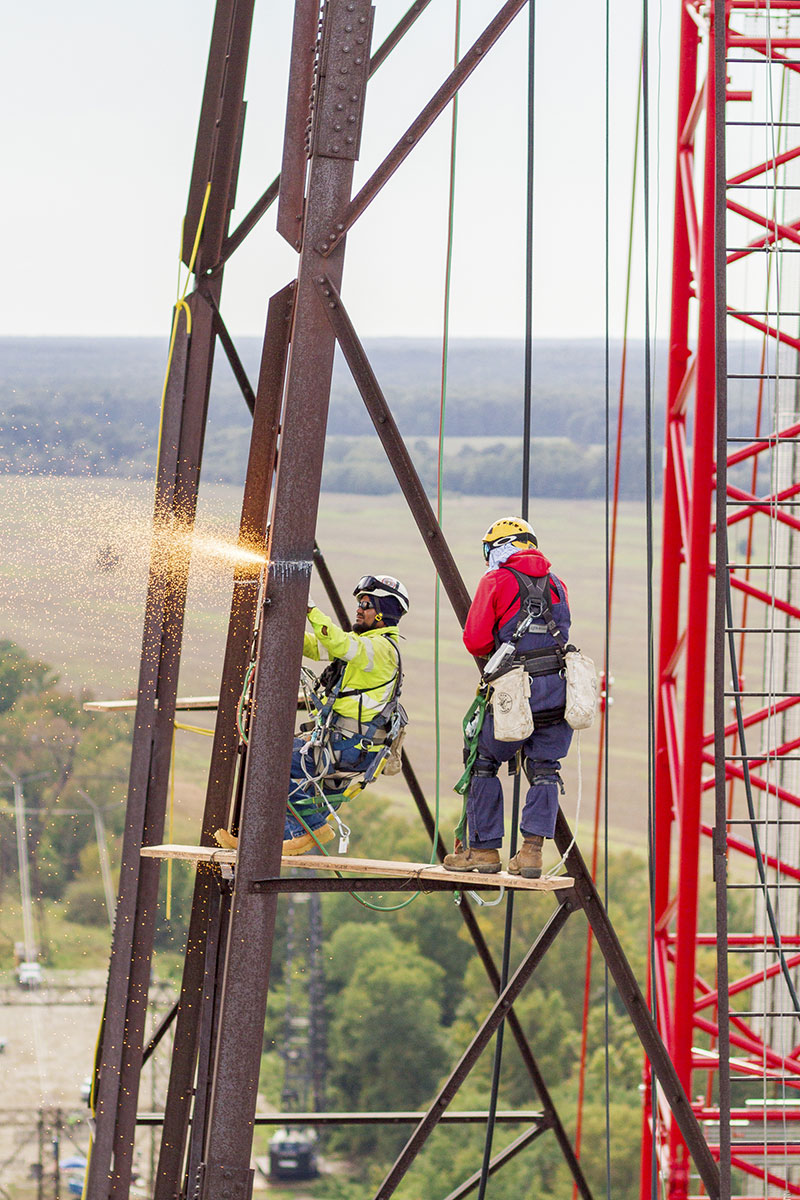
pixel 368 583
pixel 365 604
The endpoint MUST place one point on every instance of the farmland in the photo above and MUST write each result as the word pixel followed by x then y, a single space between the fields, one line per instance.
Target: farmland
pixel 58 602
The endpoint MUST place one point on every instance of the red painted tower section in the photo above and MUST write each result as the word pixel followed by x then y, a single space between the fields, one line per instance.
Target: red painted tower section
pixel 762 140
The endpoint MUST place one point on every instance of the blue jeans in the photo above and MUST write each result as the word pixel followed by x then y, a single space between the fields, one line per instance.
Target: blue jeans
pixel 302 794
pixel 543 751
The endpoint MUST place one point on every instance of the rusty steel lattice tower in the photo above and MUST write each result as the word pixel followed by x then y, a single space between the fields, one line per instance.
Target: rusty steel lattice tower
pixel 219 1019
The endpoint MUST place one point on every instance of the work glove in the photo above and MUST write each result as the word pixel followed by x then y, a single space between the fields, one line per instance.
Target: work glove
pixel 311 604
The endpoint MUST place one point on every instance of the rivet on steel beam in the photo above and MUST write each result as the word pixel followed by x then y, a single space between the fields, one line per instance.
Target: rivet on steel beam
pixel 359 62
pixel 320 279
pixel 409 138
pixel 337 129
pixel 349 141
pixel 354 99
pixel 331 304
pixel 336 149
pixel 340 228
pixel 348 28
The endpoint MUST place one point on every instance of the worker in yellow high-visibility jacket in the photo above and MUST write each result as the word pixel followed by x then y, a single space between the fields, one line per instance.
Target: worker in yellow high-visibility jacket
pixel 358 715
pixel 361 686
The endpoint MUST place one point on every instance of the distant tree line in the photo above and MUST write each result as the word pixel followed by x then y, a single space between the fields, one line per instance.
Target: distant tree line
pixel 90 407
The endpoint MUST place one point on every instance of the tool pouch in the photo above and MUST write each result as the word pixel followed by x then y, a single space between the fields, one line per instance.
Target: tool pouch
pixel 393 762
pixel 582 690
pixel 513 721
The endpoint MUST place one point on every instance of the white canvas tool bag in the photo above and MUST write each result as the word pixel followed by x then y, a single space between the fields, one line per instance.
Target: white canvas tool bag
pixel 582 690
pixel 513 721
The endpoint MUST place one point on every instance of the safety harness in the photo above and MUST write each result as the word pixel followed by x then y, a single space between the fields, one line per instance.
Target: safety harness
pixel 534 606
pixel 332 734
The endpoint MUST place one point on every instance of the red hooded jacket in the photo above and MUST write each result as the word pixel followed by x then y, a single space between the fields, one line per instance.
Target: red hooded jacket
pixel 497 599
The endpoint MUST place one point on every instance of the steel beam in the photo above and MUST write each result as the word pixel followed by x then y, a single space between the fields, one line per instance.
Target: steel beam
pixel 631 995
pixel 401 462
pixel 224 751
pixel 219 134
pixel 342 81
pixel 419 126
pixel 180 453
pixel 268 197
pixel 499 1160
pixel 487 1029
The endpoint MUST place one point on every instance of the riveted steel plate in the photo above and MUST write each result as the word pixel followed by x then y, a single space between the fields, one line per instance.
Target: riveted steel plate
pixel 227 1183
pixel 343 71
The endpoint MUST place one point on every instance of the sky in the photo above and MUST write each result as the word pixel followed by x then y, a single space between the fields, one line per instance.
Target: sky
pixel 99 120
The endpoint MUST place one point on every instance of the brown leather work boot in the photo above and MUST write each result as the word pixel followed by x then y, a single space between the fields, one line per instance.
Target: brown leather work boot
pixel 528 861
pixel 487 862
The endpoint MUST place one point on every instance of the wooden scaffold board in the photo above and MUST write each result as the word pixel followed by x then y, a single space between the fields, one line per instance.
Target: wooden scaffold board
pixel 417 872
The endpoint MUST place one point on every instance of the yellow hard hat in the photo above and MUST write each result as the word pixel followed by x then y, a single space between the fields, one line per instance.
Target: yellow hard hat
pixel 508 529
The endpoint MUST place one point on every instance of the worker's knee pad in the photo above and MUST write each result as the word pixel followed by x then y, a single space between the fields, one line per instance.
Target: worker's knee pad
pixel 485 768
pixel 541 773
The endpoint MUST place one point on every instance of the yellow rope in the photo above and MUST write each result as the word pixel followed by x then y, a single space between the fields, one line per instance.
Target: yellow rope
pixel 194 729
pixel 168 906
pixel 180 304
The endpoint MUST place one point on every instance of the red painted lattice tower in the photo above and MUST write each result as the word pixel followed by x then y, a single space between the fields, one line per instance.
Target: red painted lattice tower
pixel 753 279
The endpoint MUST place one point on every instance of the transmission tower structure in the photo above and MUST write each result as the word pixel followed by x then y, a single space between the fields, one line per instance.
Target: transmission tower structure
pixel 726 774
pixel 303 1041
pixel 219 1019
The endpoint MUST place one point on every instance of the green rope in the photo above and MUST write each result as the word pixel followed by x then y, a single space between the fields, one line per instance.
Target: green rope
pixel 442 410
pixel 440 473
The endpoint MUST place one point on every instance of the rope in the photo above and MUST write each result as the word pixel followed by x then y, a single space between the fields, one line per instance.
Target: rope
pixel 526 454
pixel 448 273
pixel 193 729
pixel 649 510
pixel 606 648
pixel 168 905
pixel 181 306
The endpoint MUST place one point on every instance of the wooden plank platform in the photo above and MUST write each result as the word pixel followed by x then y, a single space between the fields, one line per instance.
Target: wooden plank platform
pixel 185 704
pixel 417 872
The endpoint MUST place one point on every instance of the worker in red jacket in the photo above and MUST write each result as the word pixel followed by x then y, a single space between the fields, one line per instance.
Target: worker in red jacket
pixel 501 601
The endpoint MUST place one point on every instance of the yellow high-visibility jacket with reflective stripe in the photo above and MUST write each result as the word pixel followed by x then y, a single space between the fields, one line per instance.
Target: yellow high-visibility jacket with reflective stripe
pixel 372 658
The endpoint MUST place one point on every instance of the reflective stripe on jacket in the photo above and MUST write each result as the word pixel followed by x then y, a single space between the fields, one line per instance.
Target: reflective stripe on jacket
pixel 372 662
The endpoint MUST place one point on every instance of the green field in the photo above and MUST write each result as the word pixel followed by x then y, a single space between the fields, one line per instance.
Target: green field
pixel 58 605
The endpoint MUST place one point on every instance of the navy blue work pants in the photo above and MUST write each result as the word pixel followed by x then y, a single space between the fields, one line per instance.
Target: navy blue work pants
pixel 302 794
pixel 543 751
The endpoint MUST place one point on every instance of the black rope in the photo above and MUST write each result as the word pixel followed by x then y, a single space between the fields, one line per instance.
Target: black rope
pixel 648 413
pixel 720 835
pixel 526 456
pixel 762 875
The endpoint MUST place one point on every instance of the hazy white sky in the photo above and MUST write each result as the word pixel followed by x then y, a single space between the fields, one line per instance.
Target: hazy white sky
pixel 100 113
